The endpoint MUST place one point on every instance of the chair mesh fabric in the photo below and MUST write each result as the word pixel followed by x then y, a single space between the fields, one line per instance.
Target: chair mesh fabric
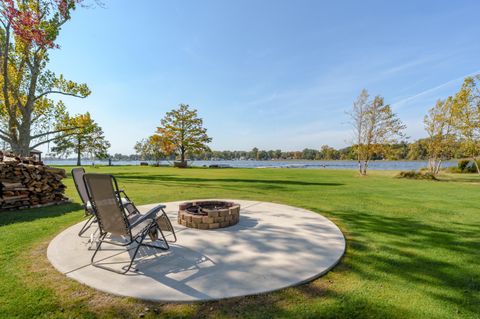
pixel 77 174
pixel 141 226
pixel 107 208
pixel 164 223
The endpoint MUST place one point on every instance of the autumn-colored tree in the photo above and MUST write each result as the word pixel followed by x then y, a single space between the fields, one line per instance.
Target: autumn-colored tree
pixel 439 124
pixel 466 110
pixel 375 128
pixel 154 148
pixel 183 133
pixel 87 139
pixel 28 31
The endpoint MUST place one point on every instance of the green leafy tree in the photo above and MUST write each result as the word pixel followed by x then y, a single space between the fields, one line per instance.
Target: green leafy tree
pixel 375 128
pixel 153 148
pixel 28 31
pixel 309 154
pixel 183 133
pixel 466 112
pixel 253 154
pixel 418 150
pixel 439 124
pixel 328 153
pixel 88 138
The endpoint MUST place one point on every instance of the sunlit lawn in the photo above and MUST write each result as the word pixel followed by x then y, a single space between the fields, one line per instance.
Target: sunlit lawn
pixel 413 246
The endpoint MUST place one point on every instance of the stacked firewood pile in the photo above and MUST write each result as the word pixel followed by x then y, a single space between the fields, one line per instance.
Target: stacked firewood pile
pixel 26 182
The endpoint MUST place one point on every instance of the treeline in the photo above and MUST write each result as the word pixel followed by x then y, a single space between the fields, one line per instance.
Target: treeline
pixel 403 151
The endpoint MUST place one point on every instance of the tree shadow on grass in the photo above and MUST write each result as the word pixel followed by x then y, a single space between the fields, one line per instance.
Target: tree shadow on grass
pixel 171 178
pixel 437 260
pixel 27 215
pixel 460 179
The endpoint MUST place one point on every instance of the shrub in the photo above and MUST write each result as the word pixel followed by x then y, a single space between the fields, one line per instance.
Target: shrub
pixel 416 175
pixel 453 169
pixel 462 165
pixel 467 166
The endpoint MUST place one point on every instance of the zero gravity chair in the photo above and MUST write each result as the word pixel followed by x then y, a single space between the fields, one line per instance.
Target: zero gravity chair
pixel 77 174
pixel 126 228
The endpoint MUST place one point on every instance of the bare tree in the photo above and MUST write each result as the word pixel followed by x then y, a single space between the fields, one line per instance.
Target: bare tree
pixel 375 128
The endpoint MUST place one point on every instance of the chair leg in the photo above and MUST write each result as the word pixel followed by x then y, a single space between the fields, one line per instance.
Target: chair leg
pixel 172 230
pixel 135 253
pixel 139 240
pixel 100 241
pixel 87 225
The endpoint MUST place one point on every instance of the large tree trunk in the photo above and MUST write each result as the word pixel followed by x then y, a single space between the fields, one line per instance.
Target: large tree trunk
pixel 21 146
pixel 182 156
pixel 79 153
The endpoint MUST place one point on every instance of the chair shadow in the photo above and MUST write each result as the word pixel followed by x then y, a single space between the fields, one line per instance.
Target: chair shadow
pixel 173 268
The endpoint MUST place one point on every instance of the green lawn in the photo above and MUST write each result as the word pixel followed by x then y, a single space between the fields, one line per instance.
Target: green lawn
pixel 413 247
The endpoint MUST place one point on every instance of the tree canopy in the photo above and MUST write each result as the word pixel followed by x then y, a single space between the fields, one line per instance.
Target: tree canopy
pixel 153 148
pixel 375 128
pixel 28 32
pixel 88 138
pixel 183 133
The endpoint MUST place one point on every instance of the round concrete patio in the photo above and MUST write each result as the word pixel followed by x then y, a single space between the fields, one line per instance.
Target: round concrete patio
pixel 272 247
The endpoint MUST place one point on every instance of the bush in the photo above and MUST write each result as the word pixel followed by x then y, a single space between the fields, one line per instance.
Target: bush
pixel 467 166
pixel 453 170
pixel 416 175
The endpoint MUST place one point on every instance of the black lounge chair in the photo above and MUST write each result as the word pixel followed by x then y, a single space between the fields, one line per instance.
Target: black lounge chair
pixel 77 174
pixel 113 218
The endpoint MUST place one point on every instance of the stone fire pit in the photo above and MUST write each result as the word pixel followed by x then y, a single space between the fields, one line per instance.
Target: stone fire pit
pixel 208 214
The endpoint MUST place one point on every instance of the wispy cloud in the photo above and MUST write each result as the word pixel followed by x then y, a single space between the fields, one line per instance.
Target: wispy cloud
pixel 411 98
pixel 407 65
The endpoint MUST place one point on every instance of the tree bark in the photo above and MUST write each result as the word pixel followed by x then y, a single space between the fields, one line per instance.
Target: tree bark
pixel 365 167
pixel 79 153
pixel 437 167
pixel 182 155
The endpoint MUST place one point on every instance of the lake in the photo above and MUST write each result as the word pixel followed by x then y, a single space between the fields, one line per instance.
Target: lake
pixel 374 165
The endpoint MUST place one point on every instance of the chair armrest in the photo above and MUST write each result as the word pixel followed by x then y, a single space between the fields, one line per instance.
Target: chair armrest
pixel 151 214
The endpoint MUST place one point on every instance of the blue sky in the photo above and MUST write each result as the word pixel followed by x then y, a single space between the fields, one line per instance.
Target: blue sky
pixel 271 74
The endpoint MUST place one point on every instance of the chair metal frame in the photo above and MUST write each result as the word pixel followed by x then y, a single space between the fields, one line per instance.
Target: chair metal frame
pixel 132 238
pixel 88 213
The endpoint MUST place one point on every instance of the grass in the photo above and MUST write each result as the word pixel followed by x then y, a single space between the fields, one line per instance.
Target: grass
pixel 413 247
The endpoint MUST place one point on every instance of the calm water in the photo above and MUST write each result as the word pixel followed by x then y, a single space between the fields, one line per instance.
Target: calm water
pixel 375 165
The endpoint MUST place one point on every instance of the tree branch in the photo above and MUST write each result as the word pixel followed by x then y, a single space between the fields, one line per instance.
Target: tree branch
pixel 50 140
pixel 57 92
pixel 5 138
pixel 5 133
pixel 53 132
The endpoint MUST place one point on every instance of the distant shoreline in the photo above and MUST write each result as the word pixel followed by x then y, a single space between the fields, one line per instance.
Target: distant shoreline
pixel 297 164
